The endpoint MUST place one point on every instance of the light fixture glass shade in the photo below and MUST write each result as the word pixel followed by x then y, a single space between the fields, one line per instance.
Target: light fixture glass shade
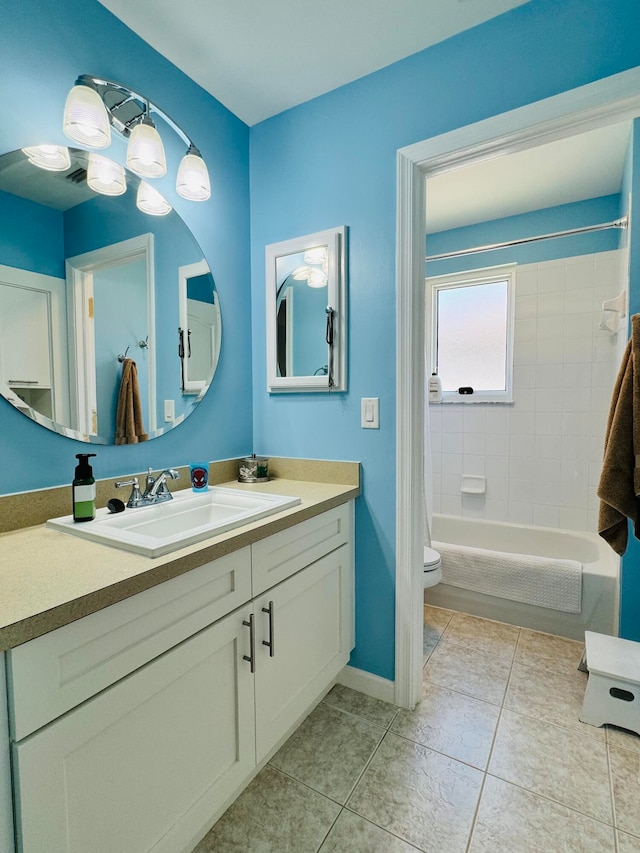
pixel 316 278
pixel 301 273
pixel 104 176
pixel 53 158
pixel 192 181
pixel 318 255
pixel 149 200
pixel 145 152
pixel 85 118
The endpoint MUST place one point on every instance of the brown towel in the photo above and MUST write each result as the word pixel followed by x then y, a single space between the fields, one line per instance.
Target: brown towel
pixel 129 425
pixel 619 485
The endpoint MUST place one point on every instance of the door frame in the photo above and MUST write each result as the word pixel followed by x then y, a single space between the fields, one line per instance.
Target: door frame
pixel 612 99
pixel 80 271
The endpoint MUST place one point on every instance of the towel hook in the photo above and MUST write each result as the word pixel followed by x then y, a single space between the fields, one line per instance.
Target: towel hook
pixel 122 356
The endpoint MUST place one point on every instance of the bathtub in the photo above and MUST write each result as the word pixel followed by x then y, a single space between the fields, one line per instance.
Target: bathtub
pixel 600 575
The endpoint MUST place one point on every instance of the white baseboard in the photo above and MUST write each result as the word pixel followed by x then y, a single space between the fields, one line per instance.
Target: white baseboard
pixel 366 682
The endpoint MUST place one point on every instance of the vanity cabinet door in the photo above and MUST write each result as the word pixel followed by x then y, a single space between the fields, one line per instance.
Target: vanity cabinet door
pixel 147 764
pixel 308 620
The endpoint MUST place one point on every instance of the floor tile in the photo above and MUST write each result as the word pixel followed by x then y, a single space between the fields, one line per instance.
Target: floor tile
pixel 427 649
pixel 436 620
pixel 425 798
pixel 548 652
pixel 628 843
pixel 357 835
pixel 623 739
pixel 373 710
pixel 514 820
pixel 625 776
pixel 554 762
pixel 274 814
pixel 329 751
pixel 465 670
pixel 460 726
pixel 483 635
pixel 551 696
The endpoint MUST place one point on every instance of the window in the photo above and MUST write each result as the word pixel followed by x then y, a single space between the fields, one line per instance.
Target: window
pixel 472 334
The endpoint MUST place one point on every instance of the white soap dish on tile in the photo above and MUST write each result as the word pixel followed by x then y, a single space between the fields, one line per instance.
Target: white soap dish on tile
pixel 472 485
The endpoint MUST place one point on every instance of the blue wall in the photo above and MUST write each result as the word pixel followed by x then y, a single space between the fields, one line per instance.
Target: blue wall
pixel 45 46
pixel 31 236
pixel 339 150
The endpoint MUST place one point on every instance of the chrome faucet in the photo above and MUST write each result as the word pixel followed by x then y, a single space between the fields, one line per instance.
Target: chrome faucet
pixel 156 489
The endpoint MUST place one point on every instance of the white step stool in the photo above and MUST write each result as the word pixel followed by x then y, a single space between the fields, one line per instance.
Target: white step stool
pixel 613 689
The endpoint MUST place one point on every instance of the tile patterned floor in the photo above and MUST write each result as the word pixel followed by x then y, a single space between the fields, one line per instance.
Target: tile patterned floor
pixel 492 759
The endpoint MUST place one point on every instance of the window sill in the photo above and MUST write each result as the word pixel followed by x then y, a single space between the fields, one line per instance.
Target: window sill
pixel 472 399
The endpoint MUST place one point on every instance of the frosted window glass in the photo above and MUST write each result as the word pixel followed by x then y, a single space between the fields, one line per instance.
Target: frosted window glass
pixel 472 336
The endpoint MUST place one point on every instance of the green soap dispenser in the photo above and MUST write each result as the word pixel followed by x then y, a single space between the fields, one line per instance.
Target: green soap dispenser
pixel 84 489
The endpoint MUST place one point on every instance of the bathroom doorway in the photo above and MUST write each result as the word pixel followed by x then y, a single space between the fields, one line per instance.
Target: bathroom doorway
pixel 608 101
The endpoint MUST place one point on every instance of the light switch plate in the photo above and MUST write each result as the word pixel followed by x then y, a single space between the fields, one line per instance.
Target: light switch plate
pixel 169 411
pixel 370 413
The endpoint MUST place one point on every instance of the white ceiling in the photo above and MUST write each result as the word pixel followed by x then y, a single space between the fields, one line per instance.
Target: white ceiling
pixel 259 58
pixel 579 167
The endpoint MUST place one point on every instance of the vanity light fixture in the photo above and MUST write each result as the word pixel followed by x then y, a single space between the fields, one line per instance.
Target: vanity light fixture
pixel 317 278
pixel 149 200
pixel 314 276
pixel 93 100
pixel 105 176
pixel 53 158
pixel 316 256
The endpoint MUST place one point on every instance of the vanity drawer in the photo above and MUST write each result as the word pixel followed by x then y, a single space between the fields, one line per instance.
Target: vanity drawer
pixel 53 673
pixel 281 555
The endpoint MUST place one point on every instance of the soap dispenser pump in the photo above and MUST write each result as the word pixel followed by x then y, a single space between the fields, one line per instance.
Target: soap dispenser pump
pixel 84 489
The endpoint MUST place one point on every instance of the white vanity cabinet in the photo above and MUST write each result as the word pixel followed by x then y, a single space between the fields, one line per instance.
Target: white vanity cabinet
pixel 167 744
pixel 134 727
pixel 306 622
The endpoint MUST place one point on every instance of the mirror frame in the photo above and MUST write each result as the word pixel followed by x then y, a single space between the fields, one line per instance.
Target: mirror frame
pixel 335 241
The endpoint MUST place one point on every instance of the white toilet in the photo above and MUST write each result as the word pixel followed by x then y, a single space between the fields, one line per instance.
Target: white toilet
pixel 432 567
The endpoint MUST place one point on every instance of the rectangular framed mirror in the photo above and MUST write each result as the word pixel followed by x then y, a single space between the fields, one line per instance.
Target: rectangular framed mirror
pixel 306 313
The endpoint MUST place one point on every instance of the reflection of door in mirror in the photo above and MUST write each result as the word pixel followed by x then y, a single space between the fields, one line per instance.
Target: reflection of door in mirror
pixel 100 283
pixel 199 326
pixel 32 327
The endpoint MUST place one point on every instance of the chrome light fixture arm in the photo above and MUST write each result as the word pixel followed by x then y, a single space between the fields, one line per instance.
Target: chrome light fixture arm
pixel 105 87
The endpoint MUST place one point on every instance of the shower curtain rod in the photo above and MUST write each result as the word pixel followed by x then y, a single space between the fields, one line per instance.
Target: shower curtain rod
pixel 617 223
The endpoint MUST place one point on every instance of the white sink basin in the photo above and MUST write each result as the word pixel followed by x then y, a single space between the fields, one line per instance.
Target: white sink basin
pixel 188 518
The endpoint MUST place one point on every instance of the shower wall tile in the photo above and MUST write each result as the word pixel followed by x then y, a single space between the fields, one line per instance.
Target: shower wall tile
pixel 543 453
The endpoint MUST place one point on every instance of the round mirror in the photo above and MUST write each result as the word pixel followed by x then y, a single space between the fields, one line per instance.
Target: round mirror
pixel 110 323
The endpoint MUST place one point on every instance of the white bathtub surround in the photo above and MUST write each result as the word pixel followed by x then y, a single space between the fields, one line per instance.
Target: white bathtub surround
pixel 542 581
pixel 542 455
pixel 600 575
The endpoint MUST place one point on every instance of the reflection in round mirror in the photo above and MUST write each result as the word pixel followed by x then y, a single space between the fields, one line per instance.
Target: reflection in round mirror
pixel 301 300
pixel 89 284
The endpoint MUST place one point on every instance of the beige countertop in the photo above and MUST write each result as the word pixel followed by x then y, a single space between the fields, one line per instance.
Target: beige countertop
pixel 49 578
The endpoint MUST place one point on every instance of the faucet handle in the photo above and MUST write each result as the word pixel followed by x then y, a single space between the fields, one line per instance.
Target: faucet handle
pixel 135 497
